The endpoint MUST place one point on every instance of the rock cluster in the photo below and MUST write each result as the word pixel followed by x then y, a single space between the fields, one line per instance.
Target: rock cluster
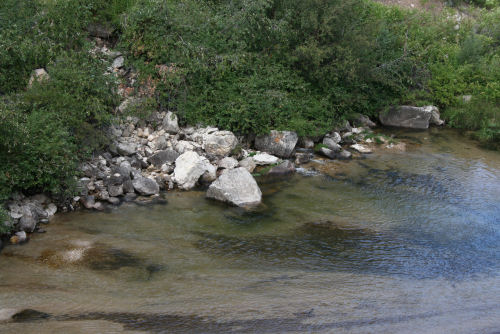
pixel 148 156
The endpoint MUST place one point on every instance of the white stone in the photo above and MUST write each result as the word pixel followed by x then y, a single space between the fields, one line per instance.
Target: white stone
pixel 265 159
pixel 361 148
pixel 189 167
pixel 228 163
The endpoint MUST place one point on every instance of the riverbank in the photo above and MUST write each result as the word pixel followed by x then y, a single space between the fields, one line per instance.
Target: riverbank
pixel 391 241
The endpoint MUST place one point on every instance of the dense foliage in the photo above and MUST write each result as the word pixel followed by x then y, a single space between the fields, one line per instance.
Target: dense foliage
pixel 47 129
pixel 244 65
pixel 255 65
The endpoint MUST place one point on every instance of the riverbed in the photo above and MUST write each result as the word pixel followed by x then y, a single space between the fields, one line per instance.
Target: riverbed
pixel 393 242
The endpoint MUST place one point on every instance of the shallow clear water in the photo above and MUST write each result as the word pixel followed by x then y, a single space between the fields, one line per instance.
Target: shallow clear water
pixel 393 243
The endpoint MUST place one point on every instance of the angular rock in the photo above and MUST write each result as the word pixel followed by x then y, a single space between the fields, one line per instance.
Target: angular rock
pixel 126 149
pixel 115 190
pixel 332 144
pixel 248 163
pixel 184 146
pixel 279 143
pixel 435 116
pixel 118 62
pixel 128 186
pixel 334 136
pixel 18 237
pixel 284 168
pixel 189 167
pixel 114 200
pixel 162 157
pixel 27 223
pixel 51 209
pixel 219 143
pixel 228 163
pixel 236 186
pixel 328 153
pixel 344 155
pixel 407 117
pixel 145 186
pixel 305 142
pixel 265 159
pixel 88 201
pixel 363 120
pixel 171 123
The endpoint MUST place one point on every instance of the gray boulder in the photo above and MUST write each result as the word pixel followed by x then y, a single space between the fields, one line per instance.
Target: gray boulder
pixel 189 167
pixel 279 143
pixel 363 120
pixel 162 157
pixel 124 148
pixel 327 152
pixel 115 190
pixel 344 155
pixel 88 201
pixel 407 117
pixel 236 186
pixel 145 186
pixel 219 143
pixel 171 123
pixel 332 143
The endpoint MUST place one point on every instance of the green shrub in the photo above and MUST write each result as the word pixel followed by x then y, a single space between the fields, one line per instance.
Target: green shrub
pixel 48 129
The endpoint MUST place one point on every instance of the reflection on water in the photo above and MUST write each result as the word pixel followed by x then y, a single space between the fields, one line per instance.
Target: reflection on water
pixel 396 242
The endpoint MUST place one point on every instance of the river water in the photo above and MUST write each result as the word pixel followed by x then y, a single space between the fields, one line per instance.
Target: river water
pixel 391 243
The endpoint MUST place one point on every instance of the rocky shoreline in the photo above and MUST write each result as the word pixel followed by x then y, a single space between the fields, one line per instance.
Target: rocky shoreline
pixel 154 155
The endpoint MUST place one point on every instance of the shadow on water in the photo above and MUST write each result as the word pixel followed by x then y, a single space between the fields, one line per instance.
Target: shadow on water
pixel 171 323
pixel 326 246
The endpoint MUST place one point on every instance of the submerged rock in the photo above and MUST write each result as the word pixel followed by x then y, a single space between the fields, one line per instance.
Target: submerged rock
pixel 236 186
pixel 286 167
pixel 279 143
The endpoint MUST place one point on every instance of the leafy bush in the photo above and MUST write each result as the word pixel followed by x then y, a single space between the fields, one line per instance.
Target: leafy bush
pixel 5 226
pixel 254 65
pixel 48 129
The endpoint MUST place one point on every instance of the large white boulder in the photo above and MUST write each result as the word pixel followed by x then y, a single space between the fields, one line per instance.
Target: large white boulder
pixel 189 167
pixel 236 186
